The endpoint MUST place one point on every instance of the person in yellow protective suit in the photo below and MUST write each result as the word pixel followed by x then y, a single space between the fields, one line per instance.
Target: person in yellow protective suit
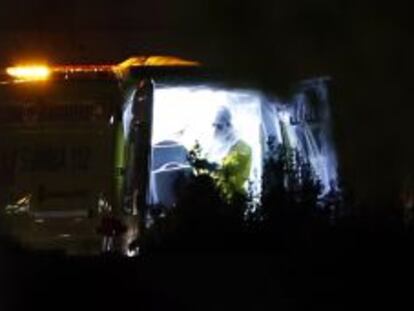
pixel 233 155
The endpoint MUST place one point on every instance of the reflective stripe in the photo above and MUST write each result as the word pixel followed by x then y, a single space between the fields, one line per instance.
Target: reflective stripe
pixel 60 214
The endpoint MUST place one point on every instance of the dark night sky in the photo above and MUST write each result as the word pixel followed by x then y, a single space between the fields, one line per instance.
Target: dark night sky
pixel 366 47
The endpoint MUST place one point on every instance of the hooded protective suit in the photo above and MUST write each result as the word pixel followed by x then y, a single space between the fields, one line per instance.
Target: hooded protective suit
pixel 235 156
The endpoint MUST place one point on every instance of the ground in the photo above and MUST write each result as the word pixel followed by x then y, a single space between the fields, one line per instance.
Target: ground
pixel 360 271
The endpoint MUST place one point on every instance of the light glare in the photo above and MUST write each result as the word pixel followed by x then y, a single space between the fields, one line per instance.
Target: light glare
pixel 29 72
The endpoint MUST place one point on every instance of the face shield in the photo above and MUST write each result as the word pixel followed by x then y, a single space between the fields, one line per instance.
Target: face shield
pixel 222 124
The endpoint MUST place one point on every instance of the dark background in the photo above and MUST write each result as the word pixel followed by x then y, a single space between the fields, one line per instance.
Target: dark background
pixel 365 46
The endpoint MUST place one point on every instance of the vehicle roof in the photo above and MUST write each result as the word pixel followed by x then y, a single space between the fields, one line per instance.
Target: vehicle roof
pixel 118 71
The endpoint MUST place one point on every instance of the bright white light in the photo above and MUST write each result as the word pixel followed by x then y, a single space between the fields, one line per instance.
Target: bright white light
pixel 186 114
pixel 284 117
pixel 132 252
pixel 127 114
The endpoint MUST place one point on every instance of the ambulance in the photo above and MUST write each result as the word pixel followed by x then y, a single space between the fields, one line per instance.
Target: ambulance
pixel 63 151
